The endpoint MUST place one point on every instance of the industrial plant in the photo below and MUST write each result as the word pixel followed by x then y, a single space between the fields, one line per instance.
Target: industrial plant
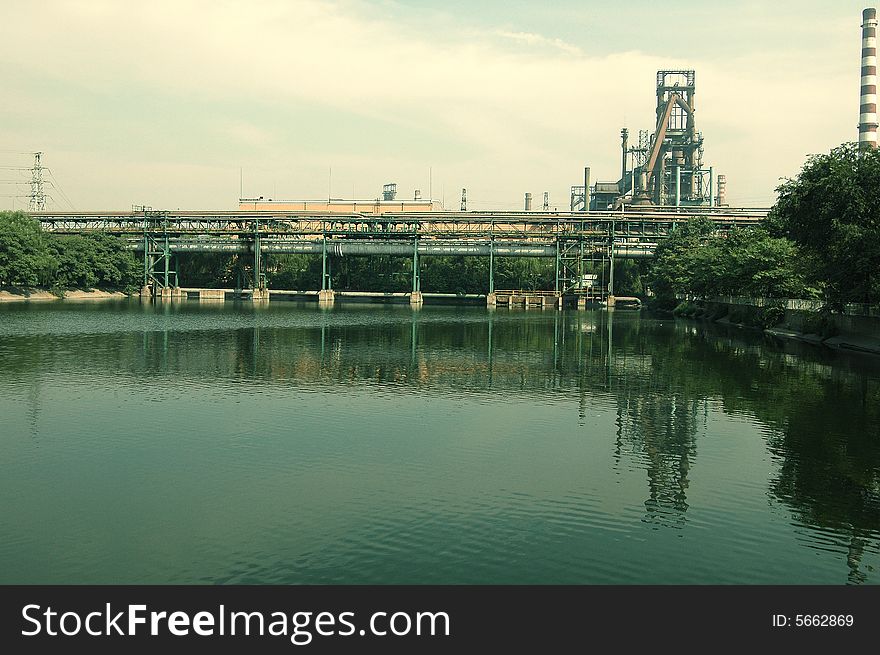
pixel 664 167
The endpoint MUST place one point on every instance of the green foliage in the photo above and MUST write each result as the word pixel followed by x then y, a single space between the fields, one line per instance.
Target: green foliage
pixel 31 257
pixel 770 314
pixel 831 210
pixel 25 257
pixel 94 260
pixel 209 270
pixel 686 309
pixel 694 260
pixel 821 323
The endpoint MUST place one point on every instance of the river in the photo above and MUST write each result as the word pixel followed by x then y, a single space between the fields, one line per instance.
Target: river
pixel 285 443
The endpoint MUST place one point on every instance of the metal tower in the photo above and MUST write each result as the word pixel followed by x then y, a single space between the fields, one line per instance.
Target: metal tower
pixel 37 196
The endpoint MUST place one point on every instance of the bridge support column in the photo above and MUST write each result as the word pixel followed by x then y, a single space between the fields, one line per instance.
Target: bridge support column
pixel 326 275
pixel 326 297
pixel 415 299
pixel 491 271
pixel 260 295
pixel 491 299
pixel 416 280
pixel 146 291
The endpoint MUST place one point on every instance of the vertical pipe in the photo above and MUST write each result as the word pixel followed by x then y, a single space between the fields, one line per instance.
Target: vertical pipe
pixel 587 189
pixel 491 266
pixel 556 286
pixel 624 136
pixel 416 283
pixel 324 264
pixel 167 257
pixel 611 269
pixel 678 186
pixel 868 93
pixel 711 186
pixel 146 257
pixel 257 256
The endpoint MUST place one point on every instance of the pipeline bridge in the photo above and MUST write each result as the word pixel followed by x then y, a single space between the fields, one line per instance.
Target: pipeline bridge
pixel 571 238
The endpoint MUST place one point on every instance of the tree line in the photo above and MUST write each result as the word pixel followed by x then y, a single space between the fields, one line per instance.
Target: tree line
pixel 31 257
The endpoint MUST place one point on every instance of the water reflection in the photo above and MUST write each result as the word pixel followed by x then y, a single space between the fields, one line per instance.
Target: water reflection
pixel 819 411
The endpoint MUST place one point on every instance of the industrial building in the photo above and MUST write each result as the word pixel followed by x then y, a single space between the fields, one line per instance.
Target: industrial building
pixel 664 167
pixel 388 204
pixel 339 206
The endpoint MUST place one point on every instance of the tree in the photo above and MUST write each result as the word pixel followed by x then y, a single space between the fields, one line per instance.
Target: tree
pixel 93 260
pixel 831 210
pixel 25 258
pixel 745 262
pixel 676 261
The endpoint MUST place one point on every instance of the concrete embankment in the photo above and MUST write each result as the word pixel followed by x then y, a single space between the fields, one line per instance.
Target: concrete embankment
pixel 40 295
pixel 856 328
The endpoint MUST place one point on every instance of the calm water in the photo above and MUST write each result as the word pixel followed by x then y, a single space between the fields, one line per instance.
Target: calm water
pixel 376 444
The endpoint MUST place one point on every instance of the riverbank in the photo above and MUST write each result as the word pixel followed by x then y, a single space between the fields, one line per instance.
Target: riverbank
pixel 14 294
pixel 857 329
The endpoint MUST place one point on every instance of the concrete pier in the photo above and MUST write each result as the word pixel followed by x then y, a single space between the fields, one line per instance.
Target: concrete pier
pixel 260 295
pixel 526 299
pixel 146 291
pixel 491 299
pixel 415 299
pixel 326 297
pixel 212 294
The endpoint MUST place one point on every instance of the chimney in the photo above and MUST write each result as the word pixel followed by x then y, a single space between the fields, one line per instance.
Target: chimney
pixel 528 202
pixel 868 96
pixel 722 191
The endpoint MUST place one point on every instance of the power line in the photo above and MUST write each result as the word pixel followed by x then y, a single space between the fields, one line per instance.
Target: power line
pixel 56 185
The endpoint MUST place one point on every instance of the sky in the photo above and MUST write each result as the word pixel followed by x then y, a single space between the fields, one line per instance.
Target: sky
pixel 185 104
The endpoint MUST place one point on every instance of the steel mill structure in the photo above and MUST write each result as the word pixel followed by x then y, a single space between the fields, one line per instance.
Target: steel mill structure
pixel 868 95
pixel 664 167
pixel 577 241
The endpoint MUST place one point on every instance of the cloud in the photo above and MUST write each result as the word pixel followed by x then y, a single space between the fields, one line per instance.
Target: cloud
pixel 531 39
pixel 287 89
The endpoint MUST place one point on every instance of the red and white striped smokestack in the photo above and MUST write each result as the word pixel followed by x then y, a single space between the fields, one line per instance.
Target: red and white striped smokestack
pixel 868 99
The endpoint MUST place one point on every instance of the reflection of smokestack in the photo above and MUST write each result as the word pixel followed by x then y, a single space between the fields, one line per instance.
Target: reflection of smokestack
pixel 528 202
pixel 868 99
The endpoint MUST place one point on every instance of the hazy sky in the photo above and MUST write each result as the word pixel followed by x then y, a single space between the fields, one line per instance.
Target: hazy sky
pixel 163 103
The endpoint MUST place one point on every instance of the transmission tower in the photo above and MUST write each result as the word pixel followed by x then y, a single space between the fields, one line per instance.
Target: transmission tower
pixel 37 197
